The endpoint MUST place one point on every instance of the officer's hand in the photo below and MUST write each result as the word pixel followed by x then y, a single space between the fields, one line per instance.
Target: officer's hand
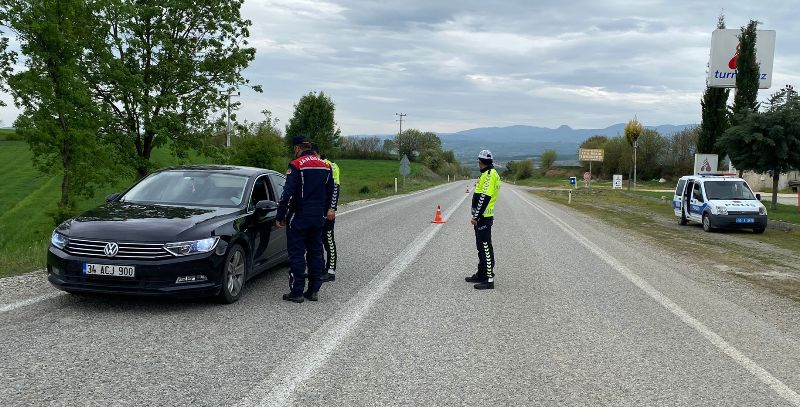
pixel 280 224
pixel 331 214
pixel 473 222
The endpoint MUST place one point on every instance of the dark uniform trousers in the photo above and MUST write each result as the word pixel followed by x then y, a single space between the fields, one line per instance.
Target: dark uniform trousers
pixel 304 244
pixel 483 242
pixel 330 246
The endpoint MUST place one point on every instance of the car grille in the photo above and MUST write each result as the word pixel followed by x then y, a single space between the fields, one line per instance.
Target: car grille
pixel 127 250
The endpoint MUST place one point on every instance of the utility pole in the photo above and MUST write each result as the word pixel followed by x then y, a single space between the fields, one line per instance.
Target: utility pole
pixel 229 95
pixel 635 147
pixel 401 115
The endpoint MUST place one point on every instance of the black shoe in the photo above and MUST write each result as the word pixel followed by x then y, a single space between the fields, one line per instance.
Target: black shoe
pixel 486 285
pixel 328 277
pixel 311 296
pixel 476 278
pixel 289 297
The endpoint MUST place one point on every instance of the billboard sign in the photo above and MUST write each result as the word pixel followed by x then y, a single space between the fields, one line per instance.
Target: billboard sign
pixel 590 154
pixel 705 163
pixel 725 55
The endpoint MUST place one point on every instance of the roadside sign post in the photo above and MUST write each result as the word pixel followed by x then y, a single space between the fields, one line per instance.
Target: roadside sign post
pixel 405 169
pixel 617 184
pixel 587 178
pixel 590 155
pixel 573 181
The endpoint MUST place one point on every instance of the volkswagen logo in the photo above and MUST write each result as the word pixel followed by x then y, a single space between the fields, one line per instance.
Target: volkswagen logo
pixel 111 249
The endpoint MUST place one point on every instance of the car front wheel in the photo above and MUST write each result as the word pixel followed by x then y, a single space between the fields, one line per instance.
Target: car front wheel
pixel 233 276
pixel 707 223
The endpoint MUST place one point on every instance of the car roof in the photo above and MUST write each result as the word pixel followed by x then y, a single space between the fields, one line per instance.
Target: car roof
pixel 232 169
pixel 711 178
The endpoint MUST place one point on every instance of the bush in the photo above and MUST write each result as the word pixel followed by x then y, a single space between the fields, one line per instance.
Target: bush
pixel 365 190
pixel 259 151
pixel 548 158
pixel 519 169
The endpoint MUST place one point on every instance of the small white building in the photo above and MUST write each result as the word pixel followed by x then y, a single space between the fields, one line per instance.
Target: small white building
pixel 761 181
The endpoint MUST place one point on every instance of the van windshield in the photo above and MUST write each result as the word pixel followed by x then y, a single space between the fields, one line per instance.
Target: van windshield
pixel 728 190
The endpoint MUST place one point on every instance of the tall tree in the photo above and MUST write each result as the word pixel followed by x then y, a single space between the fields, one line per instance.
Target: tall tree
pixel 314 118
pixel 160 65
pixel 747 74
pixel 59 119
pixel 767 141
pixel 7 58
pixel 714 107
pixel 414 143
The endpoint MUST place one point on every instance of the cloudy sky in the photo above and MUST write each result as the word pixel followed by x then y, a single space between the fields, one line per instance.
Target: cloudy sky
pixel 455 65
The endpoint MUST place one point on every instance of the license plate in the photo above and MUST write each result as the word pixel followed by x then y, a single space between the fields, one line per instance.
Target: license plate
pixel 745 220
pixel 109 270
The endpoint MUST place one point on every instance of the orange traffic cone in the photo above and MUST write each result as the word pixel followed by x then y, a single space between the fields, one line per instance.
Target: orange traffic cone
pixel 438 218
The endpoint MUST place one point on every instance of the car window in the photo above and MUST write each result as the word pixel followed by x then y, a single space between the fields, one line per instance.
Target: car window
pixel 191 187
pixel 278 181
pixel 679 188
pixel 697 193
pixel 260 191
pixel 728 190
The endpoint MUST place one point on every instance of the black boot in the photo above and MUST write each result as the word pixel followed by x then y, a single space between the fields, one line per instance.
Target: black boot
pixel 476 278
pixel 311 296
pixel 328 277
pixel 289 297
pixel 486 285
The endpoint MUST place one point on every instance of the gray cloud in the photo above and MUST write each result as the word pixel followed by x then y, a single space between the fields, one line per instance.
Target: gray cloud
pixel 453 65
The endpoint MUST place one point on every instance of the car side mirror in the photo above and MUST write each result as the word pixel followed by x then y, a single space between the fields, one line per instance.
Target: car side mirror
pixel 266 206
pixel 113 197
pixel 758 196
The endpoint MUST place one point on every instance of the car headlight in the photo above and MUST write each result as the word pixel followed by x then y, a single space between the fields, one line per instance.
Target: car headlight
pixel 762 210
pixel 59 240
pixel 193 247
pixel 721 210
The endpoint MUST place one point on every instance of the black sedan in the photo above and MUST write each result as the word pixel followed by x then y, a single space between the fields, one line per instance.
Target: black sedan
pixel 194 231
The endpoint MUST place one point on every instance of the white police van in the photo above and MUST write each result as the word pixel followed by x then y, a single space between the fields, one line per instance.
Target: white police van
pixel 718 202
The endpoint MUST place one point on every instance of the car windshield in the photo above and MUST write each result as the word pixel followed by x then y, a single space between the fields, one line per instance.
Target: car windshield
pixel 728 190
pixel 190 188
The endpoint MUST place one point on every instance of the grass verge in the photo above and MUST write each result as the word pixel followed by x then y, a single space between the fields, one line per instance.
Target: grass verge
pixel 768 259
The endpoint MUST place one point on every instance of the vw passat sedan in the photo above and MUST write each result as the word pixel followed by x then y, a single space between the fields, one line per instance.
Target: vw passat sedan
pixel 199 231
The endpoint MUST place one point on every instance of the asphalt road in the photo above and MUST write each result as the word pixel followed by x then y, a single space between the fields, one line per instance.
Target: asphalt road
pixel 582 314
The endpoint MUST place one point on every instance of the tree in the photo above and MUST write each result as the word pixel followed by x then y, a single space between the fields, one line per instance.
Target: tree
pixel 548 158
pixel 59 119
pixel 633 130
pixel 714 107
pixel 651 151
pixel 767 141
pixel 7 58
pixel 747 74
pixel 413 143
pixel 680 151
pixel 158 68
pixel 314 118
pixel 259 145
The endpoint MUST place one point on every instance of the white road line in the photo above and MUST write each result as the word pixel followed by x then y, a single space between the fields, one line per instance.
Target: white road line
pixel 382 201
pixel 759 372
pixel 24 303
pixel 279 388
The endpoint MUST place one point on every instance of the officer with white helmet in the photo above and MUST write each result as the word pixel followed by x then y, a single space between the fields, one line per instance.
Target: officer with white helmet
pixel 483 201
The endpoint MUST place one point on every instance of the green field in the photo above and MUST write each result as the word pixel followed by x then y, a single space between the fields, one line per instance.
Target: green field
pixel 27 195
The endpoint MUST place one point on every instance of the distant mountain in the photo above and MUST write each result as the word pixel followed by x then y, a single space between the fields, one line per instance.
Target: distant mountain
pixel 520 142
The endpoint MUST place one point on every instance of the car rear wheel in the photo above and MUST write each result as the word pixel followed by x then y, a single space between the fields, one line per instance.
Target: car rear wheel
pixel 234 274
pixel 707 223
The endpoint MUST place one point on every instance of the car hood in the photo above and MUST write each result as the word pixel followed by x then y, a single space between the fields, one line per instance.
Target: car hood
pixel 146 223
pixel 738 205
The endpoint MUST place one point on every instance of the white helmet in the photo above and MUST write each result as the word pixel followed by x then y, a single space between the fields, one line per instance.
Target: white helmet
pixel 485 155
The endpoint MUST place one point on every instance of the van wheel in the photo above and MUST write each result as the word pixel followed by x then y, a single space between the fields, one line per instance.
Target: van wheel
pixel 707 223
pixel 759 231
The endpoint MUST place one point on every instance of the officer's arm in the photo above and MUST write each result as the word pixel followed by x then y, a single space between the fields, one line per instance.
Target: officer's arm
pixel 289 190
pixel 483 199
pixel 332 193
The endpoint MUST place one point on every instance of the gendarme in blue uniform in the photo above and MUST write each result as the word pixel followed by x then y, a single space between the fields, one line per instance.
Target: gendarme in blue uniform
pixel 307 197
